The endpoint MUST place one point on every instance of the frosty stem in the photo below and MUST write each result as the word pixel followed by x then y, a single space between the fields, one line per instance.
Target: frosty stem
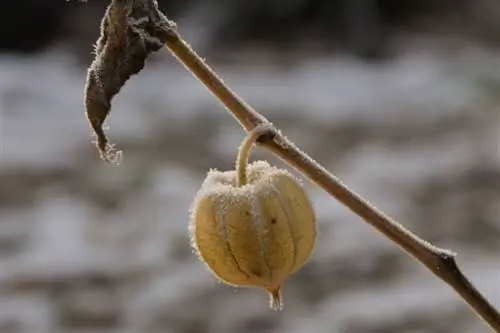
pixel 255 134
pixel 439 261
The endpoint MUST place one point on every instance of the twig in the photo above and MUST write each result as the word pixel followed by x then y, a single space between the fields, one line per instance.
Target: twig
pixel 439 261
pixel 146 26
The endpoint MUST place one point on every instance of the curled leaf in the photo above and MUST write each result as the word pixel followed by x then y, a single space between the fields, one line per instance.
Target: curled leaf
pixel 130 31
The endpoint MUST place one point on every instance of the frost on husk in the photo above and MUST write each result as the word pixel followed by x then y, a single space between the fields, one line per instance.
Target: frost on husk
pixel 255 235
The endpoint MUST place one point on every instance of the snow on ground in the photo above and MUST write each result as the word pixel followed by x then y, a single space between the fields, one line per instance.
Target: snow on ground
pixel 62 232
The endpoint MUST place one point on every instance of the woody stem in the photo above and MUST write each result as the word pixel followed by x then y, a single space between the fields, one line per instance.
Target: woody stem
pixel 440 262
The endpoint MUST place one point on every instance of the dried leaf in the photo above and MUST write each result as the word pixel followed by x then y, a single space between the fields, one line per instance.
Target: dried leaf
pixel 130 31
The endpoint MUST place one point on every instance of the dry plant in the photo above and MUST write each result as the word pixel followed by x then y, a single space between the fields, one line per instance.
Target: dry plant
pixel 132 29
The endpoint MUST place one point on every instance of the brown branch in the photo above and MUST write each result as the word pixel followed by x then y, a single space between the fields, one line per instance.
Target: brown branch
pixel 439 261
pixel 146 26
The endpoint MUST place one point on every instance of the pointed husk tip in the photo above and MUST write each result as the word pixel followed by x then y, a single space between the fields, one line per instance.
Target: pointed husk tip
pixel 275 300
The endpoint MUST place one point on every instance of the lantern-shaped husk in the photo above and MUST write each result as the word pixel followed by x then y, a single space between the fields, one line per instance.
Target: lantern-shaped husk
pixel 255 235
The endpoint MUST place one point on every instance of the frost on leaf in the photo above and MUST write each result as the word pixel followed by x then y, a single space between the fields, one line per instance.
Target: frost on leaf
pixel 130 31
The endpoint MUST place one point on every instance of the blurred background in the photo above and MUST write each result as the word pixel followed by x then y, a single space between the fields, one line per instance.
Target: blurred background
pixel 397 98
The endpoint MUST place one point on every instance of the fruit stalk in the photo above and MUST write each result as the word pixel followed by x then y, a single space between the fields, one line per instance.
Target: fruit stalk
pixel 254 135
